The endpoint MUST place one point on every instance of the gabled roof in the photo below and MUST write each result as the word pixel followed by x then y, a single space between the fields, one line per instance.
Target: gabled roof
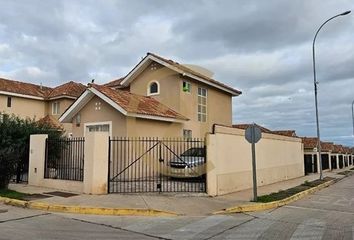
pixel 69 89
pixel 22 88
pixel 175 66
pixel 127 103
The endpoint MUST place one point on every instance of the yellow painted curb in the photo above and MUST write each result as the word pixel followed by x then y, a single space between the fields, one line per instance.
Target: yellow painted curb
pixel 85 209
pixel 264 206
pixel 98 210
pixel 14 202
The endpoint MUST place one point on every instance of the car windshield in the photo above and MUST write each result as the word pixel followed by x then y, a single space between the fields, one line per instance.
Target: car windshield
pixel 194 152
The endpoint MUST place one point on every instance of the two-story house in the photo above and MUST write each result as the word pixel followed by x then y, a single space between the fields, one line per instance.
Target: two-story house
pixel 157 98
pixel 38 102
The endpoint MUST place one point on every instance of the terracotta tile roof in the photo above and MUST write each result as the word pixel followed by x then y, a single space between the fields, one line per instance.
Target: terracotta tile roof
pixel 23 88
pixel 190 71
pixel 51 122
pixel 246 125
pixel 309 142
pixel 327 146
pixel 337 148
pixel 288 133
pixel 114 83
pixel 71 89
pixel 133 103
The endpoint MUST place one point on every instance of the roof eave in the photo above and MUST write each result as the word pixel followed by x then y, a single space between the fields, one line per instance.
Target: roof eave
pixel 149 58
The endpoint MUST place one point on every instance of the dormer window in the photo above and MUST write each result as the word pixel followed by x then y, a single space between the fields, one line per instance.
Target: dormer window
pixel 153 88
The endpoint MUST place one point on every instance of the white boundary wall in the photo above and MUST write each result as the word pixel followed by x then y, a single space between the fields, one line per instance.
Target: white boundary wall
pixel 95 165
pixel 229 160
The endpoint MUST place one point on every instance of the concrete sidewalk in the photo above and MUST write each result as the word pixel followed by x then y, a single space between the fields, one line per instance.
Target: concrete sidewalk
pixel 182 204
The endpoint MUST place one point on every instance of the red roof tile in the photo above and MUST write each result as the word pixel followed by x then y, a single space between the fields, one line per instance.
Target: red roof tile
pixel 23 88
pixel 114 83
pixel 71 89
pixel 133 103
pixel 288 133
pixel 51 122
pixel 246 125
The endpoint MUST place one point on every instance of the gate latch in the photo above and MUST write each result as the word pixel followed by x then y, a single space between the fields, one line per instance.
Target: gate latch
pixel 161 160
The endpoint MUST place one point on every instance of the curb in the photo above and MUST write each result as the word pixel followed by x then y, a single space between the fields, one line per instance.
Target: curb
pixel 85 209
pixel 265 206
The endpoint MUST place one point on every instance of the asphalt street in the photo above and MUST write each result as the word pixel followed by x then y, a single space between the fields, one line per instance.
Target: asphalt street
pixel 327 214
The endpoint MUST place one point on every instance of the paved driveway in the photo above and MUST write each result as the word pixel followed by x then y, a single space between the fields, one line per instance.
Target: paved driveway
pixel 328 214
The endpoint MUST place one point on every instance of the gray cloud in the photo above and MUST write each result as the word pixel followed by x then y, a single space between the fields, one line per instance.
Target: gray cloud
pixel 260 47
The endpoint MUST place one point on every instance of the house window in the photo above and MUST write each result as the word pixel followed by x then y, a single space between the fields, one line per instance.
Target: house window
pixel 202 104
pixel 187 133
pixel 9 102
pixel 154 88
pixel 55 108
pixel 186 86
pixel 98 128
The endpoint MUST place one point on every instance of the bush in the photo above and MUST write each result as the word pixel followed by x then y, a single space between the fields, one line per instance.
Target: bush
pixel 14 140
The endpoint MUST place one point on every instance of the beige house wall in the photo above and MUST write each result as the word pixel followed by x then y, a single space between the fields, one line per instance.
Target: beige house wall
pixel 64 104
pixel 96 111
pixel 23 107
pixel 229 160
pixel 219 104
pixel 138 127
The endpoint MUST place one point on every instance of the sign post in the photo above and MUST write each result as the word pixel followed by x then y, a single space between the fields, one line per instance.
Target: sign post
pixel 253 134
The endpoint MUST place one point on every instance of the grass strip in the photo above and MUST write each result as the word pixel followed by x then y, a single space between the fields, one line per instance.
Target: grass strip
pixel 12 194
pixel 282 194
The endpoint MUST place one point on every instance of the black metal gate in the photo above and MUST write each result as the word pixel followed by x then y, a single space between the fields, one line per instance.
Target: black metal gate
pixel 156 165
pixel 64 159
pixel 22 166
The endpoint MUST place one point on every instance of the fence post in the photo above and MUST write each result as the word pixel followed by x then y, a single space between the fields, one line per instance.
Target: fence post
pixel 36 159
pixel 96 160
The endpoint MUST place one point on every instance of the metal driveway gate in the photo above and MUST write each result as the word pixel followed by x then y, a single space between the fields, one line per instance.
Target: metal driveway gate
pixel 156 165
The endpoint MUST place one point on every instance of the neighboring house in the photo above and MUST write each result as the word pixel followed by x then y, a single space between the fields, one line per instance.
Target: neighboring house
pixel 37 102
pixel 333 156
pixel 158 98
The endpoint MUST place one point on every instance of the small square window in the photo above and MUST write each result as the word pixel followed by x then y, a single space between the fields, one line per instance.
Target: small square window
pixel 9 102
pixel 187 133
pixel 186 87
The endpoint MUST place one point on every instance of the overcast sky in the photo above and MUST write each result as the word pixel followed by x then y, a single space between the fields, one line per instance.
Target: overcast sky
pixel 260 47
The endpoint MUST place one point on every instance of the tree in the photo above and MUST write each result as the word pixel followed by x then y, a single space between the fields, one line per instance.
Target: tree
pixel 14 140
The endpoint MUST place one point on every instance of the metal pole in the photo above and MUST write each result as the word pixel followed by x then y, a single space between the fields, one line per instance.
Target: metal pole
pixel 315 86
pixel 254 164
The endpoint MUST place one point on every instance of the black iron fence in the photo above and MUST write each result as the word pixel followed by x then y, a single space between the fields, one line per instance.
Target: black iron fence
pixel 156 165
pixel 65 159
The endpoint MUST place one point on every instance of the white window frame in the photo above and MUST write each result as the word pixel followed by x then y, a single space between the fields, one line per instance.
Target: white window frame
pixel 98 123
pixel 201 114
pixel 148 88
pixel 56 108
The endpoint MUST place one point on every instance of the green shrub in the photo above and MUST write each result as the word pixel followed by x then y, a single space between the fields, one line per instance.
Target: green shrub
pixel 14 140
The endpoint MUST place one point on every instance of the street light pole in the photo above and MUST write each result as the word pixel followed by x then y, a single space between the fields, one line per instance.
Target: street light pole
pixel 315 85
